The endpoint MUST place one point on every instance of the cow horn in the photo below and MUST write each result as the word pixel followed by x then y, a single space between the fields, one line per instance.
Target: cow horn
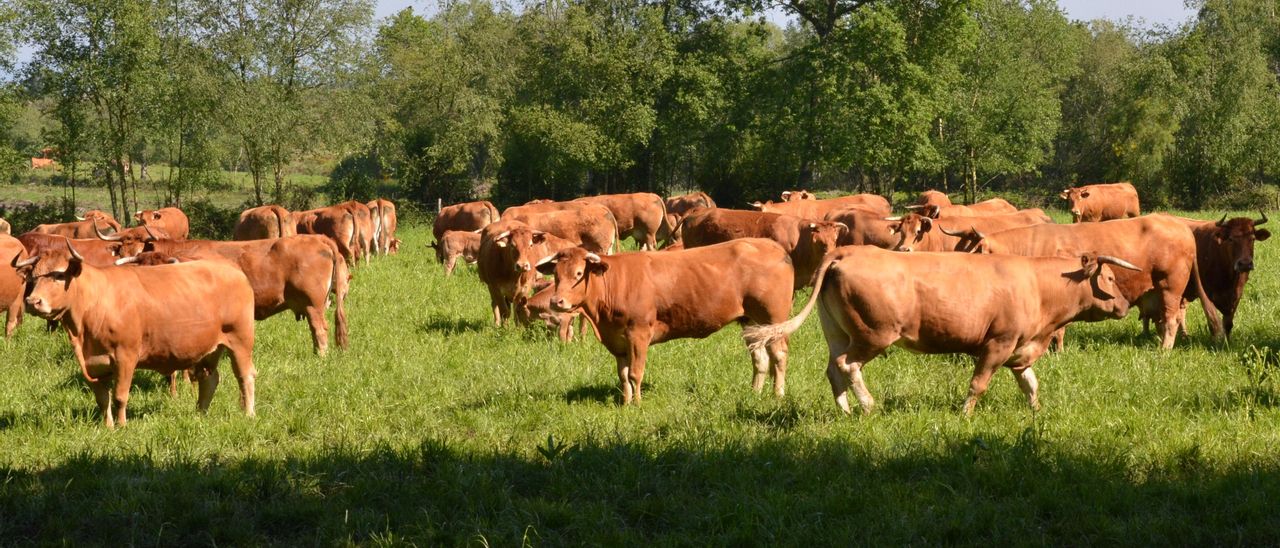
pixel 101 236
pixel 151 235
pixel 913 207
pixel 843 227
pixel 898 218
pixel 79 218
pixel 1107 259
pixel 1222 222
pixel 976 234
pixel 957 234
pixel 548 259
pixel 126 260
pixel 25 262
pixel 1264 218
pixel 74 254
pixel 503 235
pixel 593 258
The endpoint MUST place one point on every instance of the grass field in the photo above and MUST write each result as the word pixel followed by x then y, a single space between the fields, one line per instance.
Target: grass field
pixel 437 428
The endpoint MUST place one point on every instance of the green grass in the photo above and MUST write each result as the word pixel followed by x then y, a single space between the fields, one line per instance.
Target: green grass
pixel 437 428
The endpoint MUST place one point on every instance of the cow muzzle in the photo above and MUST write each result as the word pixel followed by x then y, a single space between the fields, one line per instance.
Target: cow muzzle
pixel 1244 265
pixel 38 305
pixel 560 304
pixel 523 266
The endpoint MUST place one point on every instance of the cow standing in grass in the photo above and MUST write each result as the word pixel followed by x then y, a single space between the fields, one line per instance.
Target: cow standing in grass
pixel 1104 202
pixel 264 223
pixel 465 216
pixel 508 252
pixel 12 285
pixel 455 244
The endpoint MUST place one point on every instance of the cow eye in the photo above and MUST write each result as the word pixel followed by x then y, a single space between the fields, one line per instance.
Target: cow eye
pixel 57 276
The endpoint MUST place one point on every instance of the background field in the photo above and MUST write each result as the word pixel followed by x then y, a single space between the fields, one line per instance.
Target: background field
pixel 437 428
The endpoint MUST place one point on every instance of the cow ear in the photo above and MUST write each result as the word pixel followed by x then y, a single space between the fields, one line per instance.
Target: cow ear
pixel 155 216
pixel 539 237
pixel 1261 234
pixel 1063 195
pixel 547 267
pixel 926 224
pixel 1084 194
pixel 893 228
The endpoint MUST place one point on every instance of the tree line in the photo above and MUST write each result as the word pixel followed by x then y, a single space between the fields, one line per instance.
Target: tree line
pixel 559 98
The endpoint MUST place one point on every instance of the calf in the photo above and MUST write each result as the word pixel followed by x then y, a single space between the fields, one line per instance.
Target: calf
pixel 454 244
pixel 1002 310
pixel 530 309
pixel 635 300
pixel 164 318
pixel 805 241
pixel 1094 203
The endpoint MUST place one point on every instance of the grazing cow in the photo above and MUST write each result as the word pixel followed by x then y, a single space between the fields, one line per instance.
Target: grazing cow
pixel 1224 253
pixel 866 228
pixel 805 241
pixel 1001 310
pixel 170 219
pixel 797 195
pixel 588 225
pixel 994 206
pixel 454 244
pixel 5 228
pixel 384 225
pixel 466 216
pixel 679 206
pixel 537 308
pixel 364 226
pixel 1162 246
pixel 76 230
pixel 164 318
pixel 635 300
pixel 1093 203
pixel 12 285
pixel 640 215
pixel 336 223
pixel 296 273
pixel 920 233
pixel 264 223
pixel 816 210
pixel 509 250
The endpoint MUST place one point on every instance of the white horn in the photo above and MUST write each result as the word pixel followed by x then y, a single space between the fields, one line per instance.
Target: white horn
pixel 126 260
pixel 593 258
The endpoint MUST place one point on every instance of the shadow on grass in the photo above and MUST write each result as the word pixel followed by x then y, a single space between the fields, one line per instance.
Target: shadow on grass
pixel 598 393
pixel 586 492
pixel 451 325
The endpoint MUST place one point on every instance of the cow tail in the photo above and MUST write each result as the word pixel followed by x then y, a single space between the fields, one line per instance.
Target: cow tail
pixel 1210 311
pixel 341 284
pixel 377 226
pixel 760 336
pixel 353 237
pixel 279 222
pixel 613 246
pixel 494 216
pixel 664 225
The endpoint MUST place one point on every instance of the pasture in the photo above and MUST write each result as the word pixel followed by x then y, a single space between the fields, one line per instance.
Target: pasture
pixel 437 428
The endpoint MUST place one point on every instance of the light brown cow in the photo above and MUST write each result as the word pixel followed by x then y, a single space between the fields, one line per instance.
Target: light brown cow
pixel 589 225
pixel 866 228
pixel 164 318
pixel 42 163
pixel 170 219
pixel 537 308
pixel 466 216
pixel 364 227
pixel 1002 310
pixel 678 207
pixel 102 218
pixel 509 249
pixel 640 299
pixel 933 198
pixel 1093 203
pixel 920 233
pixel 336 223
pixel 805 241
pixel 640 215
pixel 296 273
pixel 99 253
pixel 384 225
pixel 797 195
pixel 454 244
pixel 994 206
pixel 818 209
pixel 5 228
pixel 1162 246
pixel 264 223
pixel 76 230
pixel 11 284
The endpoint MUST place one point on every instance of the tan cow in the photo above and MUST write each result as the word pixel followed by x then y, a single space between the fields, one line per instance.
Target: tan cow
pixel 867 228
pixel 467 216
pixel 363 218
pixel 994 206
pixel 920 233
pixel 805 241
pixel 1002 310
pixel 639 299
pixel 384 225
pixel 264 223
pixel 170 219
pixel 76 230
pixel 336 223
pixel 640 215
pixel 797 195
pixel 817 210
pixel 296 273
pixel 933 198
pixel 99 253
pixel 1162 246
pixel 588 225
pixel 11 284
pixel 509 249
pixel 1093 203
pixel 164 318
pixel 454 244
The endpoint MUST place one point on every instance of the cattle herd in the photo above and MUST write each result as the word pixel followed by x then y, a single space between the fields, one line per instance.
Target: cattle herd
pixel 148 297
pixel 988 280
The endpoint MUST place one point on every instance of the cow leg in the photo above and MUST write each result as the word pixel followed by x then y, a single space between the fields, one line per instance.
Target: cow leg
pixel 844 371
pixel 639 353
pixel 496 300
pixel 759 362
pixel 1059 339
pixel 102 395
pixel 624 376
pixel 319 330
pixel 1168 323
pixel 172 377
pixel 778 355
pixel 242 367
pixel 984 367
pixel 207 378
pixel 565 324
pixel 449 264
pixel 1182 318
pixel 1030 386
pixel 13 318
pixel 125 367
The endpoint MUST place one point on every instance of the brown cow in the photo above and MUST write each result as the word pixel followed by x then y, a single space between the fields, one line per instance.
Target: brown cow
pixel 99 253
pixel 817 210
pixel 1001 310
pixel 76 230
pixel 170 219
pixel 336 223
pixel 805 241
pixel 1093 203
pixel 296 273
pixel 588 225
pixel 866 228
pixel 920 233
pixel 640 215
pixel 1163 247
pixel 264 223
pixel 994 206
pixel 933 198
pixel 797 195
pixel 132 240
pixel 384 225
pixel 1224 253
pixel 466 216
pixel 42 163
pixel 635 300
pixel 509 249
pixel 164 318
pixel 454 244
pixel 11 284
pixel 537 308
pixel 363 218
pixel 678 207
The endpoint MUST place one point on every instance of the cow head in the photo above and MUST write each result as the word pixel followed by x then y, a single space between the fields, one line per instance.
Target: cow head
pixel 518 244
pixel 573 269
pixel 1235 240
pixel 394 246
pixel 1075 198
pixel 934 198
pixel 49 277
pixel 823 236
pixel 148 258
pixel 1106 299
pixel 133 241
pixel 910 229
pixel 797 195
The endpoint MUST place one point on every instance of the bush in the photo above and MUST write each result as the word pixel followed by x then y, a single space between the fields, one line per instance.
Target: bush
pixel 25 216
pixel 354 178
pixel 210 222
pixel 1247 197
